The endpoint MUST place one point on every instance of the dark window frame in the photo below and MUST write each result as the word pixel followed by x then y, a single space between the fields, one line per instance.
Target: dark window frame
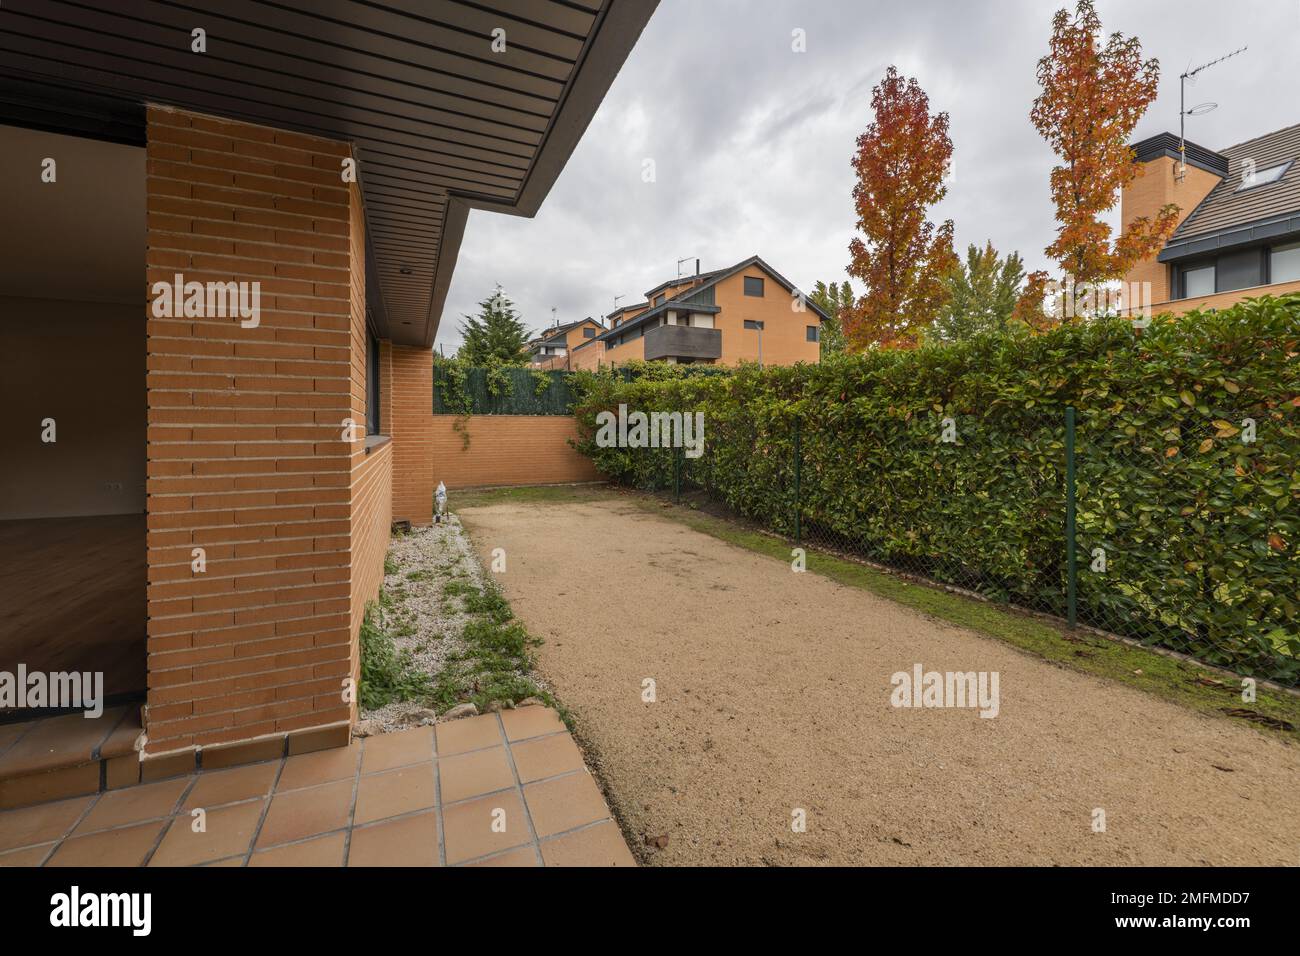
pixel 813 333
pixel 373 422
pixel 761 286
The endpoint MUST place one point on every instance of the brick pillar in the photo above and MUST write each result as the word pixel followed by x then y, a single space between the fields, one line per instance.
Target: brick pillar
pixel 245 452
pixel 412 432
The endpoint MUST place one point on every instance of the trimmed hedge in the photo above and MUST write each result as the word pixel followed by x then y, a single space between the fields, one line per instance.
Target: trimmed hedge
pixel 1199 530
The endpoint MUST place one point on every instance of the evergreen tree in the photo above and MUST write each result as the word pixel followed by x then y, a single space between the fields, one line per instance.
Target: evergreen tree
pixel 496 336
pixel 982 293
pixel 835 300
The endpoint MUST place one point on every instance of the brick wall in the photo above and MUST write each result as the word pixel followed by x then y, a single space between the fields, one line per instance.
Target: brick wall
pixel 507 450
pixel 411 398
pixel 245 451
pixel 371 512
pixel 1146 196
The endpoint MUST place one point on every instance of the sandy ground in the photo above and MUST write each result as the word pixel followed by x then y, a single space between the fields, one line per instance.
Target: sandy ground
pixel 773 694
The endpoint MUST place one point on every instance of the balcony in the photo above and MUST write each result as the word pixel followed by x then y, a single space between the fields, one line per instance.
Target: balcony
pixel 683 342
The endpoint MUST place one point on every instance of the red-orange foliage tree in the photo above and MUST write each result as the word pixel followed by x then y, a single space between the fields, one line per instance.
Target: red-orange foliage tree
pixel 1093 95
pixel 901 162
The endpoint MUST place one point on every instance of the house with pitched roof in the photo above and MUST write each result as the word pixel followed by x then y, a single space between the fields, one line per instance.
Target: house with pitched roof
pixel 552 348
pixel 1238 235
pixel 746 312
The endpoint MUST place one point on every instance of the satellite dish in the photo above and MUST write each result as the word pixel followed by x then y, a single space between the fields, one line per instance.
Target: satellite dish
pixel 1200 109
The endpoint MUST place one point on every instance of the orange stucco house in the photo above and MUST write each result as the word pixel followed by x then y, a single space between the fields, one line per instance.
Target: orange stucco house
pixel 1238 235
pixel 746 312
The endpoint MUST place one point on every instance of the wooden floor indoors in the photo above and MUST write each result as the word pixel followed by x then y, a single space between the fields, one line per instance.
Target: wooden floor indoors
pixel 72 597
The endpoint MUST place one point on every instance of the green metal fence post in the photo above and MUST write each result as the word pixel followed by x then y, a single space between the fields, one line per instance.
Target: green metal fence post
pixel 798 470
pixel 677 476
pixel 1071 558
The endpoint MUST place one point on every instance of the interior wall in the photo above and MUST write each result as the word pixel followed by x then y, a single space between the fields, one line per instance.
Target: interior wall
pixel 83 365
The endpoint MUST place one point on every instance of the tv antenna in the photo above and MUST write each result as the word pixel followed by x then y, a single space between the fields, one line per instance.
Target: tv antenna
pixel 1200 109
pixel 679 264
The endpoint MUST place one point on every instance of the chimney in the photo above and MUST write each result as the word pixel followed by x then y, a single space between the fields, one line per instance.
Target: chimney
pixel 1159 185
pixel 697 267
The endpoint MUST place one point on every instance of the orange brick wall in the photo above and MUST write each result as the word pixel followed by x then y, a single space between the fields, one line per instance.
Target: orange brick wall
pixel 1155 188
pixel 245 456
pixel 507 450
pixel 371 512
pixel 411 397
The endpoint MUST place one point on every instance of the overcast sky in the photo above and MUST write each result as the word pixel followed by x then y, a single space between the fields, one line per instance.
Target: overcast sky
pixel 751 141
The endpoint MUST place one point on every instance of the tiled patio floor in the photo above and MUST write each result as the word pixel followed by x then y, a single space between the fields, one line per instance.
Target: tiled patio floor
pixel 505 789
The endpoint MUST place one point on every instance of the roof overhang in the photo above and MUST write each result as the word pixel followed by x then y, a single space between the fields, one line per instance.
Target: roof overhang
pixel 1256 233
pixel 441 123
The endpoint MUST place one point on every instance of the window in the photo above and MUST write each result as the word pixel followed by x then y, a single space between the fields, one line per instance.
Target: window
pixel 1198 280
pixel 1239 270
pixel 372 383
pixel 1250 177
pixel 658 299
pixel 751 324
pixel 588 333
pixel 814 334
pixel 754 286
pixel 1284 263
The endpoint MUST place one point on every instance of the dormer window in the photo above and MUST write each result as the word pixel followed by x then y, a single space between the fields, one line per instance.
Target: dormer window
pixel 1251 177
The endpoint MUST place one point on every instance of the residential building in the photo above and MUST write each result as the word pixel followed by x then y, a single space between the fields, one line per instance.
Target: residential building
pixel 747 312
pixel 551 350
pixel 211 521
pixel 1239 220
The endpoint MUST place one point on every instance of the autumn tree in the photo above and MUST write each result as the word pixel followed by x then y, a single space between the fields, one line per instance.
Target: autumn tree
pixel 835 300
pixel 1093 95
pixel 982 294
pixel 496 335
pixel 902 160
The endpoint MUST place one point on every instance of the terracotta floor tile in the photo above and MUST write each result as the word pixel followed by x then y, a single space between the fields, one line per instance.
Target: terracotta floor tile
pixel 133 805
pixel 229 831
pixel 524 856
pixel 303 813
pixel 410 841
pixel 231 861
pixel 468 733
pixel 321 766
pixel 545 757
pixel 127 846
pixel 32 856
pixel 388 751
pixel 469 775
pixel 469 826
pixel 321 851
pixel 395 792
pixel 41 823
pixel 218 787
pixel 524 722
pixel 564 803
pixel 601 845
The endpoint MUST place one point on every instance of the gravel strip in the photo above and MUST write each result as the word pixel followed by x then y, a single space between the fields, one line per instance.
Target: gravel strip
pixel 427 560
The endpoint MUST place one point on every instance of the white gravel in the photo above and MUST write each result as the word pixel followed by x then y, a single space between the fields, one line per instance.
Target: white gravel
pixel 427 560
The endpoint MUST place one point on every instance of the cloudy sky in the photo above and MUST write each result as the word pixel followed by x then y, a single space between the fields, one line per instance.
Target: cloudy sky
pixel 751 141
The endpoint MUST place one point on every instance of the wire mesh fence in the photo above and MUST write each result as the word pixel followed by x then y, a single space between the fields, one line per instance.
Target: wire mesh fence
pixel 1174 531
pixel 501 391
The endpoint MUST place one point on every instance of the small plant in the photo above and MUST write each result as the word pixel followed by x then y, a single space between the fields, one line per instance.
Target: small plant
pixel 387 673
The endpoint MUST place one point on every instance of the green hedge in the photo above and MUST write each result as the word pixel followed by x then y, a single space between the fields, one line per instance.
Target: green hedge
pixel 1199 530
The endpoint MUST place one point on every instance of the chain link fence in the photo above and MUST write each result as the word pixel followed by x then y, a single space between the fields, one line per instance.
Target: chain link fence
pixel 1176 533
